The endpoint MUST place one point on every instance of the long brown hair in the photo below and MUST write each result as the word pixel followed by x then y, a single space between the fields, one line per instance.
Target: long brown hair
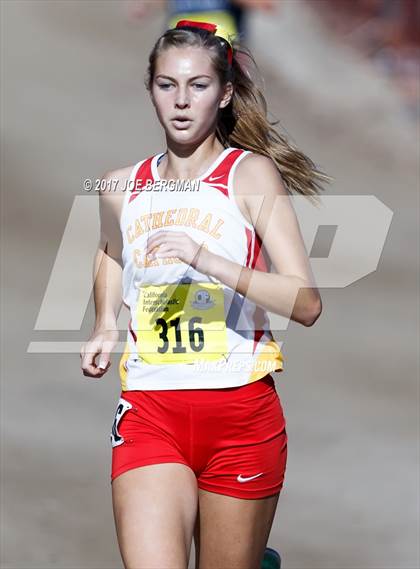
pixel 243 122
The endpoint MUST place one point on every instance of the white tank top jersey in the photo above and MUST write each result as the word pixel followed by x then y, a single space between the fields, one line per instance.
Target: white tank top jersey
pixel 188 330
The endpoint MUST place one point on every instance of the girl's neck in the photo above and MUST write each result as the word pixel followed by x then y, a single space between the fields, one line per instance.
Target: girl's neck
pixel 184 164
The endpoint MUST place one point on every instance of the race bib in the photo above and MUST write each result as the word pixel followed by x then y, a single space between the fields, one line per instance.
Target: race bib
pixel 181 323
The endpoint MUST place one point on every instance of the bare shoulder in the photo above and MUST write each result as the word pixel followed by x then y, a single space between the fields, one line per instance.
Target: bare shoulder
pixel 115 187
pixel 256 179
pixel 117 179
pixel 258 174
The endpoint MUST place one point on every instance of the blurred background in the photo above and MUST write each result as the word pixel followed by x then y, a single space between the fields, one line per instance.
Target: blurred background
pixel 342 77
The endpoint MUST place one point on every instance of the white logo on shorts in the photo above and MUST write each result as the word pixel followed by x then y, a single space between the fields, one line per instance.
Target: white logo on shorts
pixel 122 407
pixel 246 479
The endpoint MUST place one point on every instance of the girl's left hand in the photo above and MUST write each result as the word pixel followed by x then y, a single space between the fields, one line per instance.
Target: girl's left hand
pixel 164 244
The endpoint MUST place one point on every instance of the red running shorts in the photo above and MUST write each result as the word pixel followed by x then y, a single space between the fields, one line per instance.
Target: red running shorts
pixel 234 439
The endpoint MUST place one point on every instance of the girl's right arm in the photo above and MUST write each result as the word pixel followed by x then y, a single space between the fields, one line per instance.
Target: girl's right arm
pixel 107 277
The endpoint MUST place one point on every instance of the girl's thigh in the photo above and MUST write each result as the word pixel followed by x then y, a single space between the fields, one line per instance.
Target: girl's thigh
pixel 233 532
pixel 155 509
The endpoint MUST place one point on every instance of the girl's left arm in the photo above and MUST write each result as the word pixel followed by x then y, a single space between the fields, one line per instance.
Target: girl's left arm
pixel 291 290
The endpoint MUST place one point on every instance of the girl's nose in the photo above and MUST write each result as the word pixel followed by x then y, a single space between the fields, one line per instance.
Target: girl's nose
pixel 182 99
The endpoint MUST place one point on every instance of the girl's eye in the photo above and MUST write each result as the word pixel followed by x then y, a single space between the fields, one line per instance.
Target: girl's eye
pixel 166 86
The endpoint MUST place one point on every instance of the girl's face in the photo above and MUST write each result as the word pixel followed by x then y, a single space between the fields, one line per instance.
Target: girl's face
pixel 187 94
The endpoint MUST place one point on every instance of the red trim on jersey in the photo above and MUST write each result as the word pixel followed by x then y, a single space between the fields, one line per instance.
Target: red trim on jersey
pixel 143 175
pixel 259 259
pixel 132 331
pixel 259 262
pixel 259 319
pixel 218 177
pixel 248 233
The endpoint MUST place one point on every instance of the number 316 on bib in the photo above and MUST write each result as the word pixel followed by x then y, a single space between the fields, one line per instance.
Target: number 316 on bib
pixel 181 323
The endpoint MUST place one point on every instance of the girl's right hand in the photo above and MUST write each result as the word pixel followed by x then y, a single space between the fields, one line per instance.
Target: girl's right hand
pixel 101 344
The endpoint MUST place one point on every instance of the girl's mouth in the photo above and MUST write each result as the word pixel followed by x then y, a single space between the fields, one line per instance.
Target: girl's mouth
pixel 181 124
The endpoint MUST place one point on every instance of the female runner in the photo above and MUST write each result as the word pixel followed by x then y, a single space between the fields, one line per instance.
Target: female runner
pixel 199 439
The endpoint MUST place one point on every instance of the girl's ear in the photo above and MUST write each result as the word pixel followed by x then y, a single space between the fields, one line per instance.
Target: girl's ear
pixel 227 95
